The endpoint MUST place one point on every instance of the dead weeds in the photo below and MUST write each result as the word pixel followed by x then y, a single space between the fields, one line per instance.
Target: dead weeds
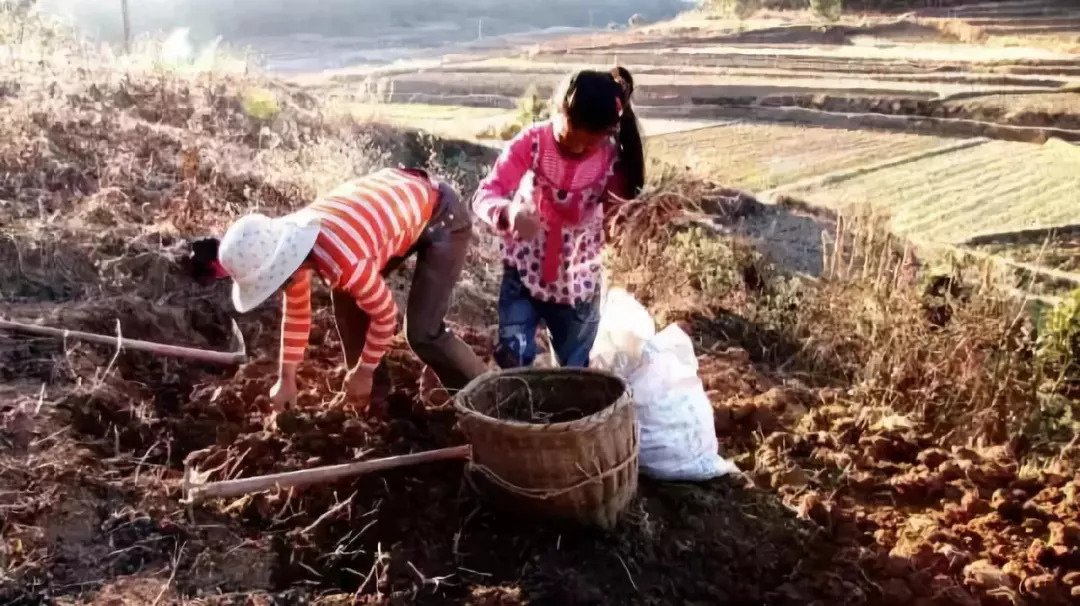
pixel 901 424
pixel 883 447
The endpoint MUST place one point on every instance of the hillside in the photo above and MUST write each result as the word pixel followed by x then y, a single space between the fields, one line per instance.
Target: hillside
pixel 907 432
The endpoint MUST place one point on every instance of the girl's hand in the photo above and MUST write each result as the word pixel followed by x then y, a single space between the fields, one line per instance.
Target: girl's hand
pixel 358 384
pixel 284 391
pixel 524 223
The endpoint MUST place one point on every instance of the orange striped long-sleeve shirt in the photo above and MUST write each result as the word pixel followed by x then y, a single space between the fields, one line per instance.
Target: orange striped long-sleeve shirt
pixel 363 223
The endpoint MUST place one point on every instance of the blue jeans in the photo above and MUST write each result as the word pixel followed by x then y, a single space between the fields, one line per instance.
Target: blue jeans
pixel 573 327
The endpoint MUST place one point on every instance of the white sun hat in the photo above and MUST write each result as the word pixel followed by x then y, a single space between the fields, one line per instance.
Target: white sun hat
pixel 261 254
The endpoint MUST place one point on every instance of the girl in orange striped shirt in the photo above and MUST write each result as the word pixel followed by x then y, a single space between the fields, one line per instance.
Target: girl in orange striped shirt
pixel 352 238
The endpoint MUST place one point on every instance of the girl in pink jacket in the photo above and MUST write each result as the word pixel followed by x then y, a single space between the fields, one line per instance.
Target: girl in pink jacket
pixel 547 197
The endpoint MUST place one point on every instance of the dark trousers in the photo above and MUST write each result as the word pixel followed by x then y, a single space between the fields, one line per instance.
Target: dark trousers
pixel 440 256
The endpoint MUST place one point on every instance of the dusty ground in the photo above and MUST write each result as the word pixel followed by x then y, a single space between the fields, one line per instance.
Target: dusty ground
pixel 850 498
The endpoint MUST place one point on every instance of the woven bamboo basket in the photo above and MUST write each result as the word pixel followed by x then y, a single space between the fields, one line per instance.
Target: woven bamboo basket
pixel 559 443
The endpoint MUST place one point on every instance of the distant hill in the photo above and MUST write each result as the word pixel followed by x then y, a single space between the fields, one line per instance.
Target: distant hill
pixel 245 18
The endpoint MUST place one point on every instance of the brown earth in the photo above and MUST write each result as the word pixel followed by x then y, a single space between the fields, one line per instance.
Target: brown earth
pixel 94 441
pixel 676 543
pixel 845 510
pixel 841 503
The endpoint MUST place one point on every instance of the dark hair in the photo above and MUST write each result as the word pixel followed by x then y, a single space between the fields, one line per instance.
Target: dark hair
pixel 202 261
pixel 588 98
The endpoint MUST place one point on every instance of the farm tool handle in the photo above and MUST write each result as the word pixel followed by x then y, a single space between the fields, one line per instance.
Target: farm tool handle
pixel 195 492
pixel 202 355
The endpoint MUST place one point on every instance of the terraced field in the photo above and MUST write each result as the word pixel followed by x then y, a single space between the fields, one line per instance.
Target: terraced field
pixel 994 187
pixel 920 65
pixel 757 157
pixel 1060 109
pixel 780 65
pixel 796 101
pixel 660 89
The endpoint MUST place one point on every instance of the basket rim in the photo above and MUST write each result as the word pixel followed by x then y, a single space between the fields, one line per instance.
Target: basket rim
pixel 596 417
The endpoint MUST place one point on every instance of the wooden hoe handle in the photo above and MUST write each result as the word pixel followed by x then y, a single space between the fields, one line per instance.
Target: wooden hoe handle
pixel 195 492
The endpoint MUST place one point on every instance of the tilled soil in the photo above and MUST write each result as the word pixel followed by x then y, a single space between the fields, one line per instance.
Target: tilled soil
pixel 959 525
pixel 418 534
pixel 838 507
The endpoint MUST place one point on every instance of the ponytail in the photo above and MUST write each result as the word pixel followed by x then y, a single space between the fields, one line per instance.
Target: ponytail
pixel 599 102
pixel 631 147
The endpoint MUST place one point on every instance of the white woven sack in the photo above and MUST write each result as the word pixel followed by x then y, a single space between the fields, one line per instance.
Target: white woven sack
pixel 678 438
pixel 625 327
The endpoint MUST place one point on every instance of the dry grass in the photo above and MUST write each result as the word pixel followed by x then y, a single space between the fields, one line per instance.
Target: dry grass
pixel 928 343
pixel 950 344
pixel 108 165
pixel 957 29
pixel 116 157
pixel 965 32
pixel 224 116
pixel 641 232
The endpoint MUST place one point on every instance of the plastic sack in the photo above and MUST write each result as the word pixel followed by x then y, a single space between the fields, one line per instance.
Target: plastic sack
pixel 678 437
pixel 625 327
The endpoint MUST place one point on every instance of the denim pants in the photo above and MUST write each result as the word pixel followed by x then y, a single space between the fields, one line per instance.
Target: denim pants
pixel 573 327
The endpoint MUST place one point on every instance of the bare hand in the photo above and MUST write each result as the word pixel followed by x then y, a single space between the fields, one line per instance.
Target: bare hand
pixel 358 384
pixel 524 223
pixel 283 393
